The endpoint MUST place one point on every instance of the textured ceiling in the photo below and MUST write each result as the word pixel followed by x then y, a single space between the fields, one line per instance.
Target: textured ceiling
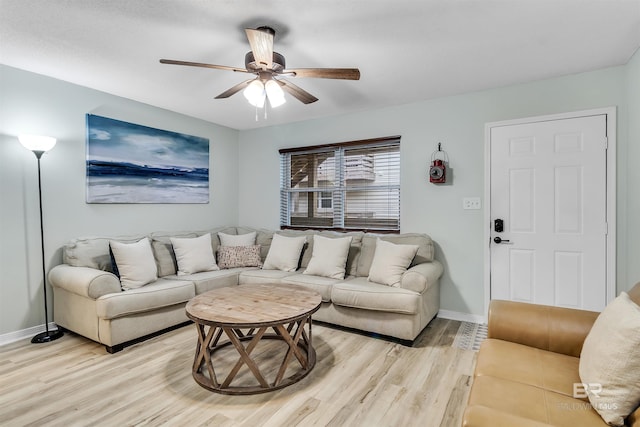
pixel 406 50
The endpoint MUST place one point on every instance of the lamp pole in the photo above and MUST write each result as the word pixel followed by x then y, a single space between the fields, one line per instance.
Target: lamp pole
pixel 55 334
pixel 40 145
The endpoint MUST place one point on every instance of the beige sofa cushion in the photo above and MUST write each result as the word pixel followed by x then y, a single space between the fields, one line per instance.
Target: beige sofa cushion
pixel 611 358
pixel 161 293
pixel 163 251
pixel 354 249
pixel 208 280
pixel 245 239
pixel 284 253
pixel 390 262
pixel 329 258
pixel 263 238
pixel 264 276
pixel 307 250
pixel 194 255
pixel 360 293
pixel 93 251
pixel 321 285
pixel 425 249
pixel 134 262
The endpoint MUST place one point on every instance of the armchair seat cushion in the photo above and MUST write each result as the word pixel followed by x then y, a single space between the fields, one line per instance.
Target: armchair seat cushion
pixel 533 405
pixel 528 365
pixel 161 293
pixel 360 293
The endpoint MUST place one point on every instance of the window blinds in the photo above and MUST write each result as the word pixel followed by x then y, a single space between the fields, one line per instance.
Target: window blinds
pixel 352 186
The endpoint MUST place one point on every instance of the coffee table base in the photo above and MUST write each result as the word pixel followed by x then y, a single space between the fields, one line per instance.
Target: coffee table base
pixel 297 334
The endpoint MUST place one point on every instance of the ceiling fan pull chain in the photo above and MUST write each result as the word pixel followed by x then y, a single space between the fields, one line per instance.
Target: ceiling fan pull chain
pixel 256 113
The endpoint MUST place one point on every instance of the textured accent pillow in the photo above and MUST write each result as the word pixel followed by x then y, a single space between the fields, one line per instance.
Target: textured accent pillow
pixel 239 256
pixel 329 257
pixel 194 255
pixel 284 253
pixel 248 239
pixel 390 261
pixel 135 263
pixel 610 358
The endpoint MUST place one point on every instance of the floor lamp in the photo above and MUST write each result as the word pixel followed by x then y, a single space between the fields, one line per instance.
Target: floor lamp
pixel 40 145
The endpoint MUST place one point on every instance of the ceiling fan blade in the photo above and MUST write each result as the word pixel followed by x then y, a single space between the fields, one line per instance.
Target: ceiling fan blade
pixel 262 47
pixel 235 89
pixel 297 92
pixel 326 73
pixel 200 64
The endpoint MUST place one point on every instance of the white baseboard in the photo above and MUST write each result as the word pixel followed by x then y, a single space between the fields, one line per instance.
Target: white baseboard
pixel 462 317
pixel 24 333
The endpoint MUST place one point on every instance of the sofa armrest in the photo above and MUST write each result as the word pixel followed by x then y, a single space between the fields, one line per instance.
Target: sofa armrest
pixel 421 277
pixel 557 329
pixel 84 281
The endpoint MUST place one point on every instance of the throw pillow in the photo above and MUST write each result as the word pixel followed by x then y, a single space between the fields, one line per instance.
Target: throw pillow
pixel 135 263
pixel 284 253
pixel 390 261
pixel 239 256
pixel 329 257
pixel 248 239
pixel 610 361
pixel 194 255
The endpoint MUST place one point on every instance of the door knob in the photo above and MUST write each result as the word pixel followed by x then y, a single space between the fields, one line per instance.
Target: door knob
pixel 499 240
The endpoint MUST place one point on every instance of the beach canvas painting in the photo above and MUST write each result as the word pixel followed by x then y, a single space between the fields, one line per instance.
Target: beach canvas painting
pixel 129 163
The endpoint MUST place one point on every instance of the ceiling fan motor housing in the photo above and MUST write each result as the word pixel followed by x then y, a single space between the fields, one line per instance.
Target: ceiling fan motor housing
pixel 267 29
pixel 277 66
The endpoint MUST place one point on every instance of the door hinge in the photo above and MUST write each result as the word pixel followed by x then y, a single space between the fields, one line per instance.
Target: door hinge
pixel 606 142
pixel 606 228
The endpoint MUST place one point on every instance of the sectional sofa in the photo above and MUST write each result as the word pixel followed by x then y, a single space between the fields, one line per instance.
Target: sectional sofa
pixel 89 298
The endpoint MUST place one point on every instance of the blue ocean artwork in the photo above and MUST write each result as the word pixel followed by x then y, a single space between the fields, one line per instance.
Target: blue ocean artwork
pixel 129 163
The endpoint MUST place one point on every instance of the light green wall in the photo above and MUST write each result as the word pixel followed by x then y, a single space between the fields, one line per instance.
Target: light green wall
pixel 458 122
pixel 31 103
pixel 632 160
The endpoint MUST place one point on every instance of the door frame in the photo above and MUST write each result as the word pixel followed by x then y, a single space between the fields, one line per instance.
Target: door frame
pixel 611 121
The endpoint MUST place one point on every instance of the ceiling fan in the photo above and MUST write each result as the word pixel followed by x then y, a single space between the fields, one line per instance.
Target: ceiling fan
pixel 269 68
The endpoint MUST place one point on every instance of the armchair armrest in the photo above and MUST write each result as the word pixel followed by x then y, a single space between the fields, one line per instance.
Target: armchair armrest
pixel 421 277
pixel 561 330
pixel 84 281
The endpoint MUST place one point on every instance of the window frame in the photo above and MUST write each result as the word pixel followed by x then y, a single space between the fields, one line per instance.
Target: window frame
pixel 339 191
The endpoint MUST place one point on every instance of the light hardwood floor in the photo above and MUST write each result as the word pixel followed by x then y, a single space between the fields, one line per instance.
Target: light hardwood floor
pixel 357 381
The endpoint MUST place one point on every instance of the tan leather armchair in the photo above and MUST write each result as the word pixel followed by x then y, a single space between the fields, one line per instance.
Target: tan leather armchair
pixel 527 367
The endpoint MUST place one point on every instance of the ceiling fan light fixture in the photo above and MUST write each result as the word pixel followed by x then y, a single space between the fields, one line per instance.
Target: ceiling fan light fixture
pixel 255 93
pixel 274 93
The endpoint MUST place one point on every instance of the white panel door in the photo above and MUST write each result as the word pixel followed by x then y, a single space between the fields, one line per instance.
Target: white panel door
pixel 548 185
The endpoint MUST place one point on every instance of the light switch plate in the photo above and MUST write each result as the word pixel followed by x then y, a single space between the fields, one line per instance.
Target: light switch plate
pixel 471 203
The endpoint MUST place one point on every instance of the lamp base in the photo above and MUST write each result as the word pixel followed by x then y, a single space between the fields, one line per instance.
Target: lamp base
pixel 47 336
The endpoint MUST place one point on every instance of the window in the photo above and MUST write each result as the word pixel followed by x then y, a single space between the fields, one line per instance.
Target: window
pixel 325 200
pixel 351 186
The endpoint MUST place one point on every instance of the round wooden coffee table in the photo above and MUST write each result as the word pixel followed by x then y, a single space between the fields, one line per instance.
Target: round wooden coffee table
pixel 246 313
